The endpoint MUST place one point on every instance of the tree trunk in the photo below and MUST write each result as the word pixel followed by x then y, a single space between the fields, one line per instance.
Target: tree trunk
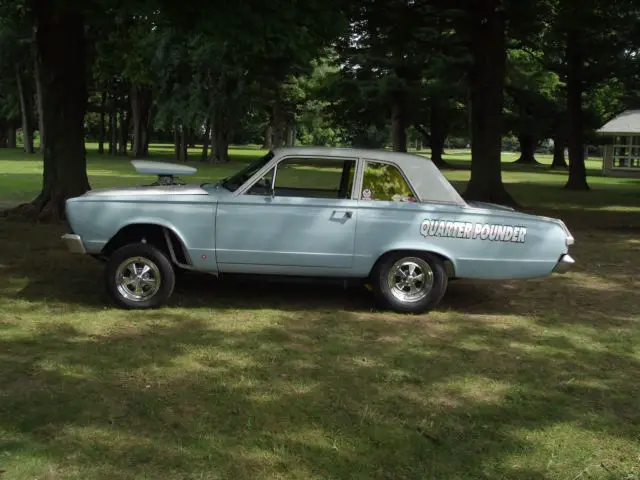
pixel 558 152
pixel 149 132
pixel 436 144
pixel 184 146
pixel 113 127
pixel 205 142
pixel 268 137
pixel 176 142
pixel 125 118
pixel 38 84
pixel 212 127
pixel 219 138
pixel 103 129
pixel 278 123
pixel 11 138
pixel 437 148
pixel 141 109
pixel 191 137
pixel 291 135
pixel 287 135
pixel 136 107
pixel 4 137
pixel 398 123
pixel 528 145
pixel 439 127
pixel 25 109
pixel 486 83
pixel 60 43
pixel 220 149
pixel 575 61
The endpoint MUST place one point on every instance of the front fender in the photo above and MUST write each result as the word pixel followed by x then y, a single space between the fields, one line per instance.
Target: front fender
pixel 193 223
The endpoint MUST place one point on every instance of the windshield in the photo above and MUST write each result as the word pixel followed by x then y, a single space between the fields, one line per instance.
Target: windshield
pixel 235 181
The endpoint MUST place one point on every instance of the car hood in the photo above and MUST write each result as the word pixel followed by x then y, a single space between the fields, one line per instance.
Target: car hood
pixel 147 191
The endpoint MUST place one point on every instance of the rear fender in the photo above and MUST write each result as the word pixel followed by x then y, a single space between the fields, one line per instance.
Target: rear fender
pixel 416 249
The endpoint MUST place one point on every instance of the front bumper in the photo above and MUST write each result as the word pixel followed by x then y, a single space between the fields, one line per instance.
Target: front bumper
pixel 564 264
pixel 74 243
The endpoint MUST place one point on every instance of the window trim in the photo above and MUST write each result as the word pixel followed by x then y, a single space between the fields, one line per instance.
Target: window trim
pixel 275 162
pixel 630 146
pixel 397 167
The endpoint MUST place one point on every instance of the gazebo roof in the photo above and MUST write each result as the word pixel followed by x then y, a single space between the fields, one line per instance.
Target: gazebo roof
pixel 627 123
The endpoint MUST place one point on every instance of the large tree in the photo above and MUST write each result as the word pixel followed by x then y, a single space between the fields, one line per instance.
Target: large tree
pixel 403 58
pixel 491 26
pixel 534 102
pixel 60 46
pixel 587 42
pixel 60 50
pixel 488 46
pixel 18 73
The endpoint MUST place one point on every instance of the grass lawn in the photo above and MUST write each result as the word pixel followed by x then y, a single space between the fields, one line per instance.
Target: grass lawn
pixel 243 379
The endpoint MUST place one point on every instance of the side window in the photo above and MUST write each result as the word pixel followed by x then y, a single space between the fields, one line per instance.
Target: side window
pixel 384 182
pixel 263 186
pixel 315 178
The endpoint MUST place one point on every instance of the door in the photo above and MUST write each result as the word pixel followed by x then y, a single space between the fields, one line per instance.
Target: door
pixel 299 217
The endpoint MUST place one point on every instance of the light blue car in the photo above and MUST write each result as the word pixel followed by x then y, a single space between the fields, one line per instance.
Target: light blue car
pixel 390 219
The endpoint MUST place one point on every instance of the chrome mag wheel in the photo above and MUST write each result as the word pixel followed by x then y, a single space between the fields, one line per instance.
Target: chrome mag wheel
pixel 138 279
pixel 410 279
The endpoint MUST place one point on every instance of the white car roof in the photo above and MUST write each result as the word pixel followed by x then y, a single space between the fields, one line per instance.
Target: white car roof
pixel 423 175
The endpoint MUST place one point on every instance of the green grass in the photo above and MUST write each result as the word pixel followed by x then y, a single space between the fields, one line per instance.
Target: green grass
pixel 610 201
pixel 244 379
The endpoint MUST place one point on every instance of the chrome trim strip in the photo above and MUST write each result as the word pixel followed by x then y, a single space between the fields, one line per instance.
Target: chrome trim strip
pixel 74 243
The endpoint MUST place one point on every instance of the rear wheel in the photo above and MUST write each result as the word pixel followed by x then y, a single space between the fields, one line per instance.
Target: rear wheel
pixel 410 283
pixel 139 276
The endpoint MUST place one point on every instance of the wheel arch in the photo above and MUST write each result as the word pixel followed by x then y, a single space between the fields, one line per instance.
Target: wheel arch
pixel 160 235
pixel 449 263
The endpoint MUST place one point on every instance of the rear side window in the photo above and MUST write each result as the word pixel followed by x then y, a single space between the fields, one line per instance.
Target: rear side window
pixel 384 182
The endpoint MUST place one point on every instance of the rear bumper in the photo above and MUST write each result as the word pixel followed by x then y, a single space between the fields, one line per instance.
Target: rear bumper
pixel 564 264
pixel 74 243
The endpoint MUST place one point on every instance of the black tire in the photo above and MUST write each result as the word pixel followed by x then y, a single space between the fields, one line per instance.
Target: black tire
pixel 431 297
pixel 160 267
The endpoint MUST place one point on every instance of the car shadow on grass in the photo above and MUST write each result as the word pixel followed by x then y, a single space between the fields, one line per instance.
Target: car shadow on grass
pixel 255 379
pixel 35 267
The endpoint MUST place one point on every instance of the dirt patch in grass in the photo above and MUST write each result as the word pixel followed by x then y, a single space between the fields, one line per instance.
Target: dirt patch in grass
pixel 534 379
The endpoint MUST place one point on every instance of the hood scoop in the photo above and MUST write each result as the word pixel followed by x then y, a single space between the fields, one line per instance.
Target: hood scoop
pixel 166 172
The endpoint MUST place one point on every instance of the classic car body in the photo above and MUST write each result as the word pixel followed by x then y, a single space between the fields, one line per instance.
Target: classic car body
pixel 319 212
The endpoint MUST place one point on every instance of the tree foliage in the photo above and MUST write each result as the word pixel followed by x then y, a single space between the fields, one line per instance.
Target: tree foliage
pixel 330 72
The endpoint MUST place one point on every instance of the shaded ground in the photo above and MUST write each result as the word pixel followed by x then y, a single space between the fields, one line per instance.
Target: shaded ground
pixel 247 379
pixel 533 380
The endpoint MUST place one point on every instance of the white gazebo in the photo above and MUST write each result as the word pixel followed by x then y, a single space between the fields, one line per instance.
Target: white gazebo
pixel 622 155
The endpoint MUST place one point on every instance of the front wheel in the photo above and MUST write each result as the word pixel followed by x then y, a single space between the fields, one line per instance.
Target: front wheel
pixel 410 283
pixel 139 276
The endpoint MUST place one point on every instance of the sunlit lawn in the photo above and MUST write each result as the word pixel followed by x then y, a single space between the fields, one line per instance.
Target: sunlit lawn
pixel 21 177
pixel 250 379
